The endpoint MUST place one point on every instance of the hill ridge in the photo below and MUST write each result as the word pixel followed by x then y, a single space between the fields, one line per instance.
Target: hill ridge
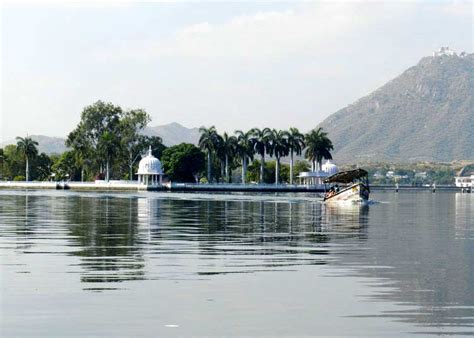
pixel 429 105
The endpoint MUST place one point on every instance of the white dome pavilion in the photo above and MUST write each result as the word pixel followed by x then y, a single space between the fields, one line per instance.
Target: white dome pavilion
pixel 329 167
pixel 149 170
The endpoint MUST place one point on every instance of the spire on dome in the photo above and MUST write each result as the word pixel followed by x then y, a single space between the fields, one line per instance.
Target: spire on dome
pixel 149 151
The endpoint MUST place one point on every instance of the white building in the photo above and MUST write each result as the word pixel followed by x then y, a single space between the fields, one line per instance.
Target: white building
pixel 329 167
pixel 464 181
pixel 150 172
pixel 318 176
pixel 444 51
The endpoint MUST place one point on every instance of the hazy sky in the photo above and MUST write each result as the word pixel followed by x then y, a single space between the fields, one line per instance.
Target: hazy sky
pixel 234 65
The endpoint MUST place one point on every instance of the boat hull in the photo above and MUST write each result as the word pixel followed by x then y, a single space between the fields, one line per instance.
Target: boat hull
pixel 354 194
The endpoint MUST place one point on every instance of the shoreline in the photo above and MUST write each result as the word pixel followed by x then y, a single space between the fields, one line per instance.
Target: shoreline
pixel 218 187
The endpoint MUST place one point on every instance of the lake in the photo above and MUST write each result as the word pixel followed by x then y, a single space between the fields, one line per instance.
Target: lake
pixel 217 265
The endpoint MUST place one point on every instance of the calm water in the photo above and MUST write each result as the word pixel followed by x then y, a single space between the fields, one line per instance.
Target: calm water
pixel 160 264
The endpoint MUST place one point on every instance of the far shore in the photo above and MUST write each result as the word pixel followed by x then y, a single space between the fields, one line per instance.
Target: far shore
pixel 203 187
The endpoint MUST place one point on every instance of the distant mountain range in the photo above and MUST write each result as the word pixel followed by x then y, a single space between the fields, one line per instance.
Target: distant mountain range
pixel 426 113
pixel 46 144
pixel 172 134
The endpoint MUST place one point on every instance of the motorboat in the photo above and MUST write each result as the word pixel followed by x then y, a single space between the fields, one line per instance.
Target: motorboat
pixel 347 186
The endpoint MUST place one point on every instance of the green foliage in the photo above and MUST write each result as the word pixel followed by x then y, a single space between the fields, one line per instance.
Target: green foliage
pixel 318 146
pixel 253 173
pixel 183 162
pixel 13 162
pixel 41 167
pixel 301 166
pixel 65 167
pixel 109 138
pixel 19 178
pixel 28 148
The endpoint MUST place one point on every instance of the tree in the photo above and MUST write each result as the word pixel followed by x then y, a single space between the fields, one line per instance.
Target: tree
pixel 104 126
pixel 82 151
pixel 13 162
pixel 245 150
pixel 183 162
pixel 319 146
pixel 108 147
pixel 279 147
pixel 208 141
pixel 296 145
pixel 41 169
pixel 261 140
pixel 2 163
pixel 88 137
pixel 65 167
pixel 227 149
pixel 300 166
pixel 131 124
pixel 27 147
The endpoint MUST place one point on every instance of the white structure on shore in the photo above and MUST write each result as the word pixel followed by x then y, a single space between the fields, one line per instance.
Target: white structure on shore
pixel 150 172
pixel 317 176
pixel 329 167
pixel 464 181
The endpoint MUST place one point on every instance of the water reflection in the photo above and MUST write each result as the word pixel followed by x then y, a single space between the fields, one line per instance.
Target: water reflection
pixel 416 249
pixel 423 253
pixel 105 233
pixel 114 237
pixel 240 236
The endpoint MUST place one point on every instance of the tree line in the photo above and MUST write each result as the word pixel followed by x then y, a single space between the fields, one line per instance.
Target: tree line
pixel 109 141
pixel 244 146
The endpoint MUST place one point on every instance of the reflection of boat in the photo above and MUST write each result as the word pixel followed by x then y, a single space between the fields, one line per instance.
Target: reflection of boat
pixel 355 189
pixel 346 216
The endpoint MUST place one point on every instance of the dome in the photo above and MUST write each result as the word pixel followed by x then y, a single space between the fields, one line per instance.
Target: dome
pixel 329 167
pixel 149 165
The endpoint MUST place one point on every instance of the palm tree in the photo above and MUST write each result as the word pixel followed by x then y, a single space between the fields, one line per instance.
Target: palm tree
pixel 279 148
pixel 208 142
pixel 296 145
pixel 108 147
pixel 244 149
pixel 261 140
pixel 228 147
pixel 319 146
pixel 27 146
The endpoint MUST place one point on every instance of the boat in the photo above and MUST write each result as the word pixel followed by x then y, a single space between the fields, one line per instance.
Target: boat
pixel 355 186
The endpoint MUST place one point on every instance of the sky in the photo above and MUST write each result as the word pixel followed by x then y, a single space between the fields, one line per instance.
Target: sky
pixel 235 65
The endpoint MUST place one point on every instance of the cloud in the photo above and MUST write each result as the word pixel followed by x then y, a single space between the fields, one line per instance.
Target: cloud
pixel 319 28
pixel 257 36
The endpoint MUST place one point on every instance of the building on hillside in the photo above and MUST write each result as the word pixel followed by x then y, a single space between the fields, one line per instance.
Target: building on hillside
pixel 150 172
pixel 444 51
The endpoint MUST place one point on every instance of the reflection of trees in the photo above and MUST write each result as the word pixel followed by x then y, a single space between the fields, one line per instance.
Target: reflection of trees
pixel 105 231
pixel 254 234
pixel 19 219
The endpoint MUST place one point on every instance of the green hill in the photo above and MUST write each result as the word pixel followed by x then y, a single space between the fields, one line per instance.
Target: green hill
pixel 425 114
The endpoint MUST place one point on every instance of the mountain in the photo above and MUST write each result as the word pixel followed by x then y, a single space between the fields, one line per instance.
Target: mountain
pixel 174 133
pixel 46 144
pixel 426 113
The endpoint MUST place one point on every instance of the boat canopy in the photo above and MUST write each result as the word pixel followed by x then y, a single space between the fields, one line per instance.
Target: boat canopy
pixel 347 176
